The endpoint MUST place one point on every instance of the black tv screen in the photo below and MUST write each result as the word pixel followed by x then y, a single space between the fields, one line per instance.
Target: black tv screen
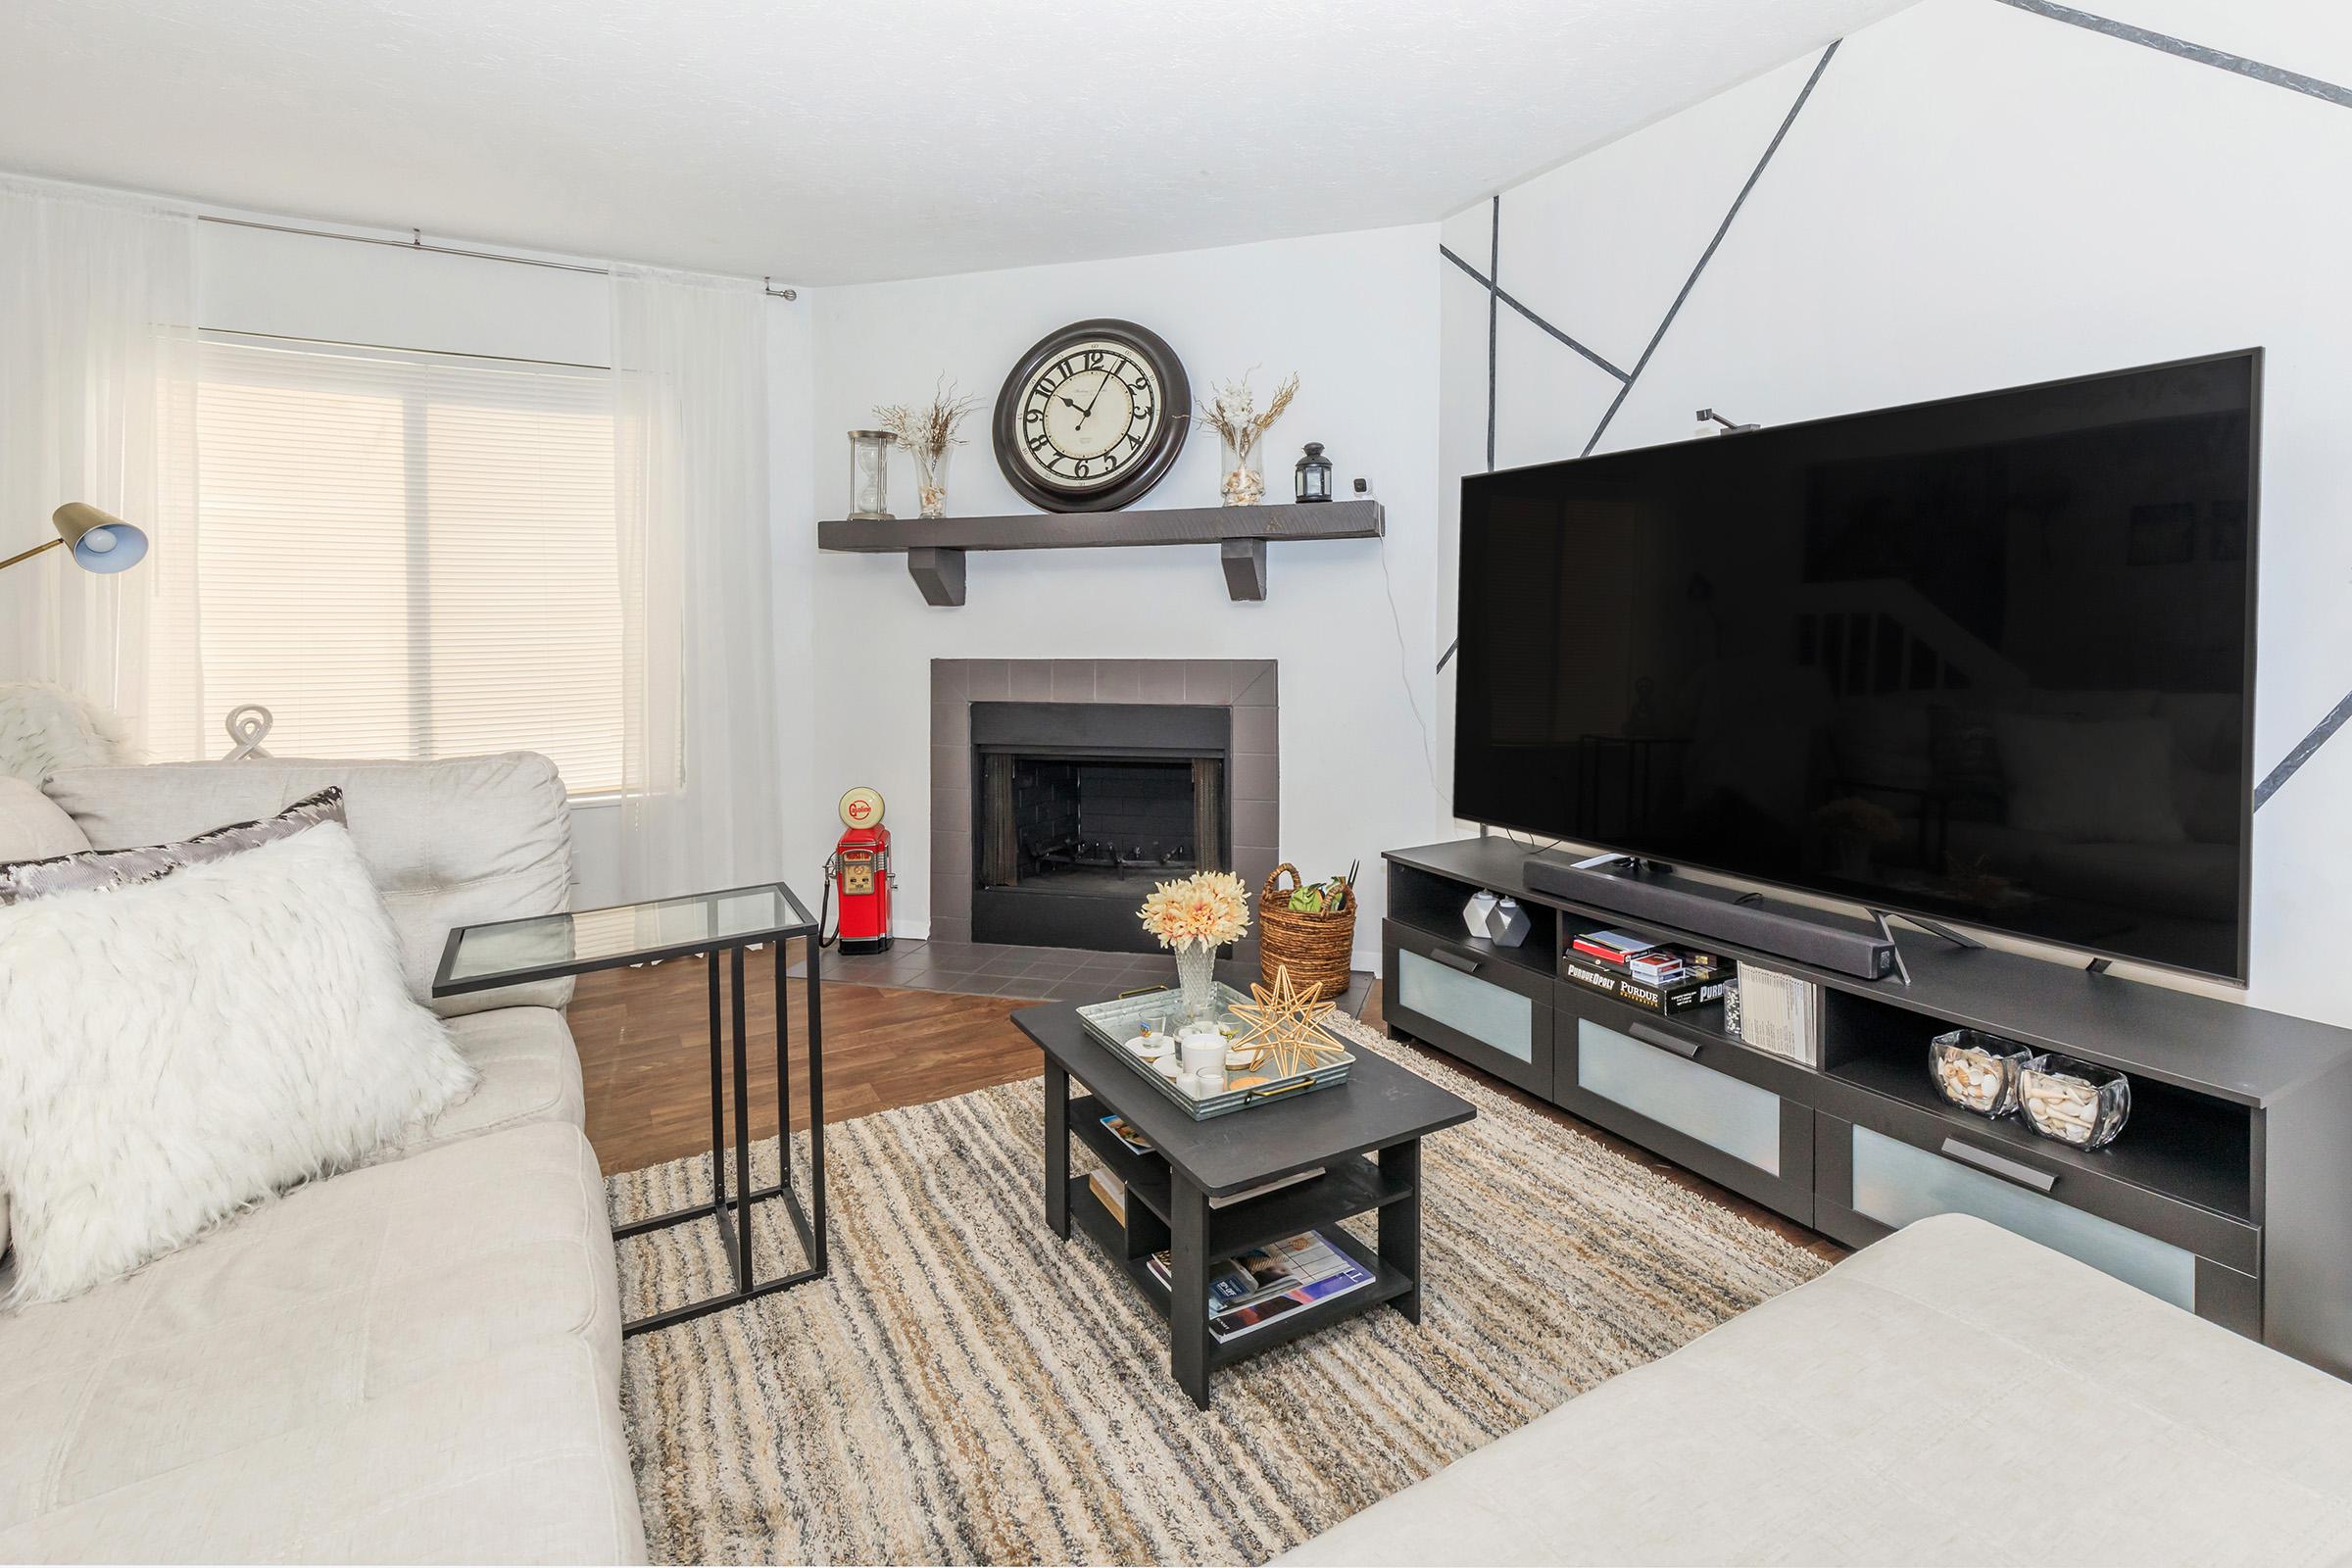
pixel 1988 660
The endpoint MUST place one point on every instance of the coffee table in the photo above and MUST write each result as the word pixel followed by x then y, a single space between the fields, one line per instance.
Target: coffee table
pixel 548 946
pixel 1364 1134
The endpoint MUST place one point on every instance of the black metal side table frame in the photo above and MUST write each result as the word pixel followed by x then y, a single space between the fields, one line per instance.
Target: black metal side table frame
pixel 732 1212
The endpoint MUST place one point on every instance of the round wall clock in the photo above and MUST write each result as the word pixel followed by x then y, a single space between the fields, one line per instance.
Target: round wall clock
pixel 1093 416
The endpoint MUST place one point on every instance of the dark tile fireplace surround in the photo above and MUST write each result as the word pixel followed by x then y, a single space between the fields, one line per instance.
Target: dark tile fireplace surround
pixel 1062 789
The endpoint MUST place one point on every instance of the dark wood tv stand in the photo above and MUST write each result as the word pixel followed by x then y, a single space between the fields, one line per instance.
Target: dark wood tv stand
pixel 2229 1192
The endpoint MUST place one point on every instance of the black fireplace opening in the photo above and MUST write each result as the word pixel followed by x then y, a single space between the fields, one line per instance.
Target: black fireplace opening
pixel 1082 806
pixel 1101 821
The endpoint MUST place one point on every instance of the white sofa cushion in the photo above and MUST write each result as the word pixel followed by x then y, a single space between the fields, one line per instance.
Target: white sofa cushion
pixel 530 1072
pixel 450 843
pixel 1953 1394
pixel 417 1362
pixel 178 1049
pixel 33 826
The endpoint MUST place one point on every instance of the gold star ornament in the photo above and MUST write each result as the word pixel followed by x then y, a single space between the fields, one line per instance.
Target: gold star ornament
pixel 1284 1038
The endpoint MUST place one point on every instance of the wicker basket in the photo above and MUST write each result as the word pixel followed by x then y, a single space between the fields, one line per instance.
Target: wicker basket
pixel 1314 948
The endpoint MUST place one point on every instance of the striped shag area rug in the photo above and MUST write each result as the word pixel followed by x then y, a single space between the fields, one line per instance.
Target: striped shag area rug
pixel 964 1386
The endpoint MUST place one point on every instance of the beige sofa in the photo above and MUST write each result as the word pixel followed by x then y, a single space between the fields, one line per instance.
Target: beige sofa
pixel 1955 1394
pixel 414 1361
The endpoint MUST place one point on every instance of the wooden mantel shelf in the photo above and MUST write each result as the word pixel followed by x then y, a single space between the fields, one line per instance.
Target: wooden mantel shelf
pixel 935 546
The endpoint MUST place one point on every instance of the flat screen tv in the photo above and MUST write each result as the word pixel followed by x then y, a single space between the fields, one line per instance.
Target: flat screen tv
pixel 1988 660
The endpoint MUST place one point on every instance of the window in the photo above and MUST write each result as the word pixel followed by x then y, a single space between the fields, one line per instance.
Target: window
pixel 409 554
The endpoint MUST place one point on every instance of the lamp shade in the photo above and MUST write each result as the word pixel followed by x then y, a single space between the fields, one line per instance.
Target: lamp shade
pixel 101 542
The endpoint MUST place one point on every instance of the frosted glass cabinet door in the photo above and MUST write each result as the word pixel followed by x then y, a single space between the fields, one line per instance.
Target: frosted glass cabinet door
pixel 1485 1013
pixel 1895 1183
pixel 1719 1110
pixel 1489 1011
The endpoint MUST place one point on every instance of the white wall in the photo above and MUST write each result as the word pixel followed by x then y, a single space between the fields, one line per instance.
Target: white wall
pixel 297 286
pixel 1355 314
pixel 1350 623
pixel 1975 197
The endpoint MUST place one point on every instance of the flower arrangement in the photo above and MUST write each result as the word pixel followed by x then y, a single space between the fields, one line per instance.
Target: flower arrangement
pixel 1234 414
pixel 1206 910
pixel 928 434
pixel 1196 916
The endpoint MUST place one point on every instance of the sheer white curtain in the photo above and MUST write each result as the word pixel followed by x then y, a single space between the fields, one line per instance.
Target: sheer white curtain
pixel 700 753
pixel 97 404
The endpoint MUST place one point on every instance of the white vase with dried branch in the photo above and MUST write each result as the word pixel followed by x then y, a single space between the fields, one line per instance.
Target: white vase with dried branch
pixel 1234 414
pixel 928 435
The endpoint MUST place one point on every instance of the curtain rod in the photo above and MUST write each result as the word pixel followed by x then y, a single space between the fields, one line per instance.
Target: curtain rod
pixel 416 242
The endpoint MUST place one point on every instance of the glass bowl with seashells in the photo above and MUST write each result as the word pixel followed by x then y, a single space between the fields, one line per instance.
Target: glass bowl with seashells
pixel 1978 1071
pixel 2078 1102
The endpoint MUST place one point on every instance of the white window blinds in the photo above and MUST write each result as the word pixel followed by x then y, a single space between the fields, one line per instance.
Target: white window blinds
pixel 410 555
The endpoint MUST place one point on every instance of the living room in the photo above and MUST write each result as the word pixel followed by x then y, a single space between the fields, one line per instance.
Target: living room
pixel 1641 838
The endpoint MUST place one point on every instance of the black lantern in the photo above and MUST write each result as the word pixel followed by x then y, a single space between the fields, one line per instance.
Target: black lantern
pixel 1314 473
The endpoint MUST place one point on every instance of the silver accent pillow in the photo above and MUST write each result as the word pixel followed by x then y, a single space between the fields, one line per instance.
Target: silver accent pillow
pixel 115 869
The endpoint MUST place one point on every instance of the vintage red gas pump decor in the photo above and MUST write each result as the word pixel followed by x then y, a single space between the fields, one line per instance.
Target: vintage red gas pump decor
pixel 857 875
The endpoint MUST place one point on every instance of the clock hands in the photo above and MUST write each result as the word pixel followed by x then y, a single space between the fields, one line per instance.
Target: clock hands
pixel 1087 413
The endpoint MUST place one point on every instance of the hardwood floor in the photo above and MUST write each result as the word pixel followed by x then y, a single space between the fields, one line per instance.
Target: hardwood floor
pixel 645 1057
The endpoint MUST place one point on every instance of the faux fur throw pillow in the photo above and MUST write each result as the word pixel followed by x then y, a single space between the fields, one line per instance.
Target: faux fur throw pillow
pixel 113 869
pixel 176 1050
pixel 45 727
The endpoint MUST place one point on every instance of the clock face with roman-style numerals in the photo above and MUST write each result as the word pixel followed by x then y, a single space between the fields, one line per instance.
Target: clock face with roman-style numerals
pixel 1092 417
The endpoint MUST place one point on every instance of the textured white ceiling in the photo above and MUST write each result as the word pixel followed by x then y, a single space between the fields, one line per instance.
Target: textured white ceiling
pixel 858 140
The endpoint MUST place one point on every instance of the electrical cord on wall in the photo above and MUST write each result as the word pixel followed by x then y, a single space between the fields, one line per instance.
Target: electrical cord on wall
pixel 1429 745
pixel 1404 670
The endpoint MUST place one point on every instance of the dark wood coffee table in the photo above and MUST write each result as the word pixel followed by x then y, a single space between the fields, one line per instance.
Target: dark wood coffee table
pixel 1365 1135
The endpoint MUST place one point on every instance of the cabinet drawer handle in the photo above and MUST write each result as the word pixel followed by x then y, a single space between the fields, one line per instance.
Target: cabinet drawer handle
pixel 1650 1035
pixel 1455 960
pixel 2008 1170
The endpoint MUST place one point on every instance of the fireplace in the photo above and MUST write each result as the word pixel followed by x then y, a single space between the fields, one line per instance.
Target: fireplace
pixel 1062 789
pixel 1079 808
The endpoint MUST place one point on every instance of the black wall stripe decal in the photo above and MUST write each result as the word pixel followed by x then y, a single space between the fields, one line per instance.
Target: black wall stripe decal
pixel 1493 317
pixel 1537 321
pixel 2292 81
pixel 2309 743
pixel 2254 70
pixel 1708 255
pixel 1476 276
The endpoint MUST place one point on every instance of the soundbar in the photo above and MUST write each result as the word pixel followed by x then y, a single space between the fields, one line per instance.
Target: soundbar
pixel 1706 910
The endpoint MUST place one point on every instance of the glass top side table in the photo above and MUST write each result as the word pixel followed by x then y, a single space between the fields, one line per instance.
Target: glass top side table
pixel 506 952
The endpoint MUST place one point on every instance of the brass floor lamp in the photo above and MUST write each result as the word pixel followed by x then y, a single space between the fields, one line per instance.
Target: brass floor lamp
pixel 100 541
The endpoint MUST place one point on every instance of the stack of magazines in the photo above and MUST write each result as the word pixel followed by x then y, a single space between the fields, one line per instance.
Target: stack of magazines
pixel 1269 1283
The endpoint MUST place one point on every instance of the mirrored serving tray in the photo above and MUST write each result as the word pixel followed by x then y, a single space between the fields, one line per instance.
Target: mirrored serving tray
pixel 1122 1020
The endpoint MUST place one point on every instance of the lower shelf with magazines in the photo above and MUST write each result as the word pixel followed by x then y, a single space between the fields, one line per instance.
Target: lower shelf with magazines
pixel 1264 1309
